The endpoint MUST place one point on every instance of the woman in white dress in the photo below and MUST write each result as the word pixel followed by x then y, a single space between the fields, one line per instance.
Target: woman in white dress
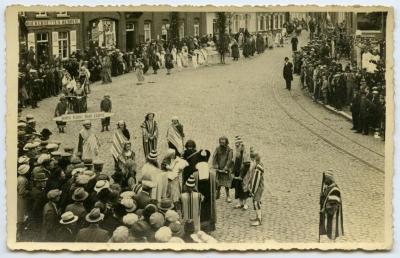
pixel 174 52
pixel 185 55
pixel 179 60
pixel 194 58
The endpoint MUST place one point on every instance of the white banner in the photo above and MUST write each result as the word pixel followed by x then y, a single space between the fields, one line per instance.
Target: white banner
pixel 82 116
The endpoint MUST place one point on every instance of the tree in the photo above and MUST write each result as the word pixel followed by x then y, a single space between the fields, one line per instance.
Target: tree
pixel 174 29
pixel 222 39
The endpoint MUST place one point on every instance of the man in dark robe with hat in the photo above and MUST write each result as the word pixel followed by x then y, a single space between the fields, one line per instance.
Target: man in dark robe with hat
pixel 105 106
pixel 206 185
pixel 191 155
pixel 61 109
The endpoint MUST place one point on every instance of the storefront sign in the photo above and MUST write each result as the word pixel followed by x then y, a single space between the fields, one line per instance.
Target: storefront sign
pixel 37 23
pixel 82 116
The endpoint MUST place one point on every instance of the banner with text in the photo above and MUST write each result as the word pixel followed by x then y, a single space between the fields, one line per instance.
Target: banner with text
pixel 82 116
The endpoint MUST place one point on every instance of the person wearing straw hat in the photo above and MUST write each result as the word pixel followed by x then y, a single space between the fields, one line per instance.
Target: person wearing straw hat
pixel 61 109
pixel 79 196
pixel 149 134
pixel 22 197
pixel 93 233
pixel 67 230
pixel 88 143
pixel 151 169
pixel 143 198
pixel 241 165
pixel 191 203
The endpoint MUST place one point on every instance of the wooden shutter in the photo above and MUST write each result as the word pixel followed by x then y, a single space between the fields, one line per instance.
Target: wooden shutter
pixel 72 38
pixel 54 40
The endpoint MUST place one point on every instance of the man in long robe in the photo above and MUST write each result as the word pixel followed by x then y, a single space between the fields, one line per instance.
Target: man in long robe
pixel 206 184
pixel 150 134
pixel 222 165
pixel 150 169
pixel 191 203
pixel 191 155
pixel 120 137
pixel 175 136
pixel 88 145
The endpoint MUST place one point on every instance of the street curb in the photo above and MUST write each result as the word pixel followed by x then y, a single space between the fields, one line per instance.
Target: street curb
pixel 332 109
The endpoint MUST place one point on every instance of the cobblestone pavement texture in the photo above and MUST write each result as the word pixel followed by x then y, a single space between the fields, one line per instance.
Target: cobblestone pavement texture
pixel 241 98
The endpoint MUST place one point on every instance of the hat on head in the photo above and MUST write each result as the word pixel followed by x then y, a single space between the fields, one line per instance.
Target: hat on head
pixel 68 218
pixel 174 118
pixel 140 229
pixel 80 194
pixel 147 183
pixel 77 171
pixel 82 180
pixel 171 216
pixel 69 149
pixel 21 124
pixel 152 155
pixel 103 176
pixel 191 182
pixel 43 158
pixel 165 204
pixel 94 216
pixel 56 153
pixel 176 229
pixel 65 154
pixel 28 146
pixel 23 159
pixel 90 174
pixel 129 219
pixel 163 234
pixel 23 169
pixel 29 117
pixel 129 204
pixel 101 184
pixel 36 143
pixel 46 132
pixel 31 121
pixel 156 220
pixel 120 235
pixel 40 176
pixel 75 160
pixel 127 194
pixel 52 194
pixel 86 122
pixel 121 122
pixel 238 139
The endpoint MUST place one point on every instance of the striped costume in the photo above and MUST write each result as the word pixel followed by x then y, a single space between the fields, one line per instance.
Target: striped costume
pixel 257 185
pixel 191 208
pixel 150 135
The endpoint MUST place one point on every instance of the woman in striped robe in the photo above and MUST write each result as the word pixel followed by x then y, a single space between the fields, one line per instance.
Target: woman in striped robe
pixel 150 134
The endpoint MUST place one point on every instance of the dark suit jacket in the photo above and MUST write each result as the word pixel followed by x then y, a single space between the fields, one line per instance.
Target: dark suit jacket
pixel 288 71
pixel 93 233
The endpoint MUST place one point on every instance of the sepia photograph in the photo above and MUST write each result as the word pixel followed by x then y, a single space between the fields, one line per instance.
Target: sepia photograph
pixel 198 128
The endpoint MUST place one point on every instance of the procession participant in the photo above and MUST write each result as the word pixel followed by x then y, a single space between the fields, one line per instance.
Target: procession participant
pixel 51 214
pixel 126 167
pixel 61 109
pixel 174 185
pixel 257 188
pixel 80 98
pixel 222 164
pixel 105 106
pixel 149 134
pixel 67 231
pixel 93 233
pixel 106 69
pixel 88 144
pixel 206 185
pixel 169 61
pixel 355 110
pixel 143 198
pixel 151 168
pixel 139 71
pixel 241 165
pixel 185 55
pixel 191 155
pixel 154 61
pixel 288 73
pixel 175 136
pixel 235 50
pixel 120 137
pixel 191 203
pixel 84 76
pixel 294 41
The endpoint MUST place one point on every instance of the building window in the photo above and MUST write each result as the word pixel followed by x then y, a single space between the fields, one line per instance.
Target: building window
pixel 147 31
pixel 42 38
pixel 281 21
pixel 63 49
pixel 130 26
pixel 196 27
pixel 215 27
pixel 181 30
pixel 104 33
pixel 41 15
pixel 42 47
pixel 62 14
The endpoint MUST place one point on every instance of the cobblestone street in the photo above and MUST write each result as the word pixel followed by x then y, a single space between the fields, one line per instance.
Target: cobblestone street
pixel 248 98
